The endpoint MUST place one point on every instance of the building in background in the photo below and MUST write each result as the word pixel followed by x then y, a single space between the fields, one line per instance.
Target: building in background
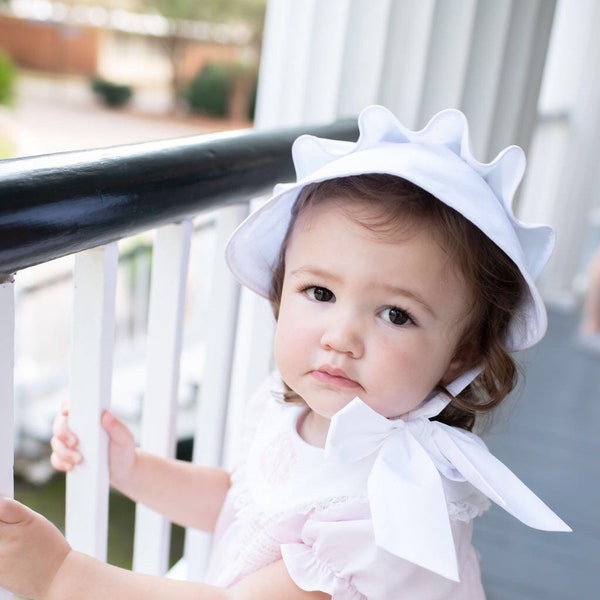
pixel 124 47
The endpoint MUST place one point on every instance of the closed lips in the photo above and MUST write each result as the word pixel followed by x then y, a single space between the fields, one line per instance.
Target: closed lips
pixel 334 376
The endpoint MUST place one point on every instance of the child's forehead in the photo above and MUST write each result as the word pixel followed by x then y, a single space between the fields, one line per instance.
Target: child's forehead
pixel 393 214
pixel 336 250
pixel 369 225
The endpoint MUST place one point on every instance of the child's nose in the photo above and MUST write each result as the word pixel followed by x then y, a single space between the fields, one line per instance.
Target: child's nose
pixel 343 333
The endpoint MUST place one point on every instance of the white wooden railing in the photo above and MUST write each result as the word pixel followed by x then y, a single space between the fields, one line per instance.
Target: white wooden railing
pixel 94 284
pixel 94 317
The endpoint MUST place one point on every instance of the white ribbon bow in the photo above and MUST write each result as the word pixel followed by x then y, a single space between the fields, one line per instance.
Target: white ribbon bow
pixel 408 505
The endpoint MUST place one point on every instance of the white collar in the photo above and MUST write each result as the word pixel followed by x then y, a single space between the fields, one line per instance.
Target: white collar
pixel 408 505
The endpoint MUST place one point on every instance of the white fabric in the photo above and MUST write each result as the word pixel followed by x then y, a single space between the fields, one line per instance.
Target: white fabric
pixel 412 454
pixel 287 501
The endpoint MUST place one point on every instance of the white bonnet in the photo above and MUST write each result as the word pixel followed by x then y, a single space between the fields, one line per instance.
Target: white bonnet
pixel 438 159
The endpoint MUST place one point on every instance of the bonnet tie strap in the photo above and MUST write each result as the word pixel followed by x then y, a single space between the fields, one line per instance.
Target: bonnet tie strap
pixel 406 495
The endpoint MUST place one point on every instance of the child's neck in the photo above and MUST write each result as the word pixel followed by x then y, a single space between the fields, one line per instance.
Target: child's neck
pixel 313 429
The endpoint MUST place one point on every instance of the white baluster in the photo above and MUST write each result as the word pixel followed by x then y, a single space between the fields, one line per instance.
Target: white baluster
pixel 94 280
pixel 221 323
pixel 165 321
pixel 251 362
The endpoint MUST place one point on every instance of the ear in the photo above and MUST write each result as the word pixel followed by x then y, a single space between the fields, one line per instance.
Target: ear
pixel 462 361
pixel 455 368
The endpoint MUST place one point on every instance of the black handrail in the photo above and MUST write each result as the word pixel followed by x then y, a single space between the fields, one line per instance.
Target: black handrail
pixel 58 204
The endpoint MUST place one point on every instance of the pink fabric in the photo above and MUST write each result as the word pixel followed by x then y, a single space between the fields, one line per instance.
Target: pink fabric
pixel 285 502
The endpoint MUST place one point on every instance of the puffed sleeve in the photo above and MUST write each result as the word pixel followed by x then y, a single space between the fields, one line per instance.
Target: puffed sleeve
pixel 340 557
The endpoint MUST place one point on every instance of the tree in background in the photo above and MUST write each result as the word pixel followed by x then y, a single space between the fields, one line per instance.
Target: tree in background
pixel 179 13
pixel 8 75
pixel 248 12
pixel 184 18
pixel 7 95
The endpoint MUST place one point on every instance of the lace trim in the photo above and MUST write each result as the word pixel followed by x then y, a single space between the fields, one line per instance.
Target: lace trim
pixel 245 506
pixel 466 509
pixel 474 505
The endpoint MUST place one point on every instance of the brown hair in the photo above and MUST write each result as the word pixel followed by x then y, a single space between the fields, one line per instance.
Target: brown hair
pixel 387 205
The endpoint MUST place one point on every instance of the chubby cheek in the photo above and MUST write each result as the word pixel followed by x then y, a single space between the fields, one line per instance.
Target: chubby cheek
pixel 279 349
pixel 290 347
pixel 400 381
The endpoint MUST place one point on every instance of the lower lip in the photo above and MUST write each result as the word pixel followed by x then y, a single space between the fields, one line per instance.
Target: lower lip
pixel 341 382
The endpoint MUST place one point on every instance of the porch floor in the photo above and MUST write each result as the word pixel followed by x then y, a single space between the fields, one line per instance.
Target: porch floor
pixel 548 436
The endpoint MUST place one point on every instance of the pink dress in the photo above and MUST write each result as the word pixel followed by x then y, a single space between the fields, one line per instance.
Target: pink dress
pixel 287 502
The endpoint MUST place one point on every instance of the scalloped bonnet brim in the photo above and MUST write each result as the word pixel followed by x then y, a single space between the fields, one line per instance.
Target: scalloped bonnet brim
pixel 439 160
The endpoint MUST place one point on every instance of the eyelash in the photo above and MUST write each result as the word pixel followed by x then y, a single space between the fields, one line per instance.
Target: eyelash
pixel 309 290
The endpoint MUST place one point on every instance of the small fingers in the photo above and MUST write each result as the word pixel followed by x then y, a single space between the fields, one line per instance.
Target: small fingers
pixel 60 429
pixel 64 442
pixel 116 429
pixel 63 457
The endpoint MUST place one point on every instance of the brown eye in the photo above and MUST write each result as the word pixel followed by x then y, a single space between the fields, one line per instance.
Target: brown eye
pixel 396 316
pixel 320 294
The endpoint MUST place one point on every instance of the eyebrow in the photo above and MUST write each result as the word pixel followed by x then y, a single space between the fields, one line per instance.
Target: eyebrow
pixel 400 291
pixel 386 288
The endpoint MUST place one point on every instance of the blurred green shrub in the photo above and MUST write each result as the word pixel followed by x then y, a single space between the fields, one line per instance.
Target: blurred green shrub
pixel 223 90
pixel 208 91
pixel 8 76
pixel 252 101
pixel 112 94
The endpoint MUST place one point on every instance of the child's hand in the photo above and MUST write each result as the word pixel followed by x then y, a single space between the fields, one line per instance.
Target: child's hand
pixel 31 550
pixel 121 450
pixel 65 446
pixel 64 443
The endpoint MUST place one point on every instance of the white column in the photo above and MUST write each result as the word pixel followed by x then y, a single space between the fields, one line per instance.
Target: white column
pixel 165 321
pixel 327 54
pixel 405 59
pixel 491 27
pixel 449 52
pixel 302 60
pixel 7 344
pixel 525 51
pixel 580 178
pixel 366 36
pixel 94 280
pixel 284 63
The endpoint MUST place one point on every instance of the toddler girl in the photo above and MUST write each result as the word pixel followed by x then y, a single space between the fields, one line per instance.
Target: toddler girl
pixel 401 283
